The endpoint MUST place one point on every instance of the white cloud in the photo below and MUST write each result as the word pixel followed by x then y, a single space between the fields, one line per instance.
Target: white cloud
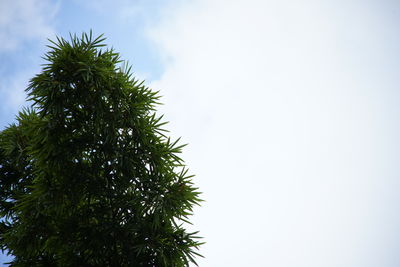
pixel 24 20
pixel 12 90
pixel 291 112
pixel 124 11
pixel 21 22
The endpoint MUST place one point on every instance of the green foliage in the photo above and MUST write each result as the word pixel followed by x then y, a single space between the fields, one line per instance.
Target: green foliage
pixel 87 174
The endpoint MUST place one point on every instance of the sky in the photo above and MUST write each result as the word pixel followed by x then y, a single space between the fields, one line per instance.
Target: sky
pixel 290 109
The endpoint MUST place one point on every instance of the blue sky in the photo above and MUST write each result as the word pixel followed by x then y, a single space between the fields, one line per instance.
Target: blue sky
pixel 290 108
pixel 122 23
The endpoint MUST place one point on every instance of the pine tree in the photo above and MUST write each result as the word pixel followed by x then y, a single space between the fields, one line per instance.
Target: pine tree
pixel 88 176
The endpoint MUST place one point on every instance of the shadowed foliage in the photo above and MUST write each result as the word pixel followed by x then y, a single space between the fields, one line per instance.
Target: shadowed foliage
pixel 87 175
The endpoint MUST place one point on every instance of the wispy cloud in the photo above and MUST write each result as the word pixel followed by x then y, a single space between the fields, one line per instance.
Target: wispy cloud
pixel 290 113
pixel 25 26
pixel 12 91
pixel 24 20
pixel 125 10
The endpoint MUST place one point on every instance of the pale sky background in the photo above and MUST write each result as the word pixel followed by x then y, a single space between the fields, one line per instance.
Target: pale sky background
pixel 290 108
